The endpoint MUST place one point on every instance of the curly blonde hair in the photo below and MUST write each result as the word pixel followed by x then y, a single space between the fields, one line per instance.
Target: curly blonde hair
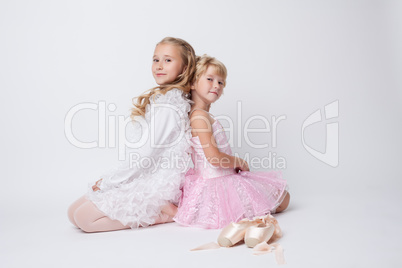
pixel 182 82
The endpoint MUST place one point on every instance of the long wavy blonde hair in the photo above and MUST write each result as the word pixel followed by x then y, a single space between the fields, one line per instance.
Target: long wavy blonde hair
pixel 182 82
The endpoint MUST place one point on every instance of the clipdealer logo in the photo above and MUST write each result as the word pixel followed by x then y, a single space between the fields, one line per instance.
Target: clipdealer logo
pixel 107 130
pixel 331 154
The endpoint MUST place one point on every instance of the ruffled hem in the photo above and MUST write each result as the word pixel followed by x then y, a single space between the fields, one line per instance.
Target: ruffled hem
pixel 138 199
pixel 214 203
pixel 282 186
pixel 139 202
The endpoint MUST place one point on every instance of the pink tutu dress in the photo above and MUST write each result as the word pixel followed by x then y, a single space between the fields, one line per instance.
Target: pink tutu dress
pixel 214 196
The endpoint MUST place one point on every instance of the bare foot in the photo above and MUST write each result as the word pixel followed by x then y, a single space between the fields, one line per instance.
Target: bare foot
pixel 164 218
pixel 169 209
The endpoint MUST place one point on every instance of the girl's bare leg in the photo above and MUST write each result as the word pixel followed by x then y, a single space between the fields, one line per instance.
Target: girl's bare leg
pixel 86 216
pixel 90 219
pixel 73 208
pixel 284 204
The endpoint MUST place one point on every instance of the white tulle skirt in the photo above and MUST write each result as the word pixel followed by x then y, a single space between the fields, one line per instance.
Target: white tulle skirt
pixel 138 203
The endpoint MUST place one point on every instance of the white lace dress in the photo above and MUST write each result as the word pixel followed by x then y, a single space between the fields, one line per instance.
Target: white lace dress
pixel 151 175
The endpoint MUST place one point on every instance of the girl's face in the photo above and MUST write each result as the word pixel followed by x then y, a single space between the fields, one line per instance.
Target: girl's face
pixel 167 64
pixel 209 86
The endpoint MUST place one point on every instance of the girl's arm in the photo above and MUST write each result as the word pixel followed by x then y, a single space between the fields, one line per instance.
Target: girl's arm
pixel 201 127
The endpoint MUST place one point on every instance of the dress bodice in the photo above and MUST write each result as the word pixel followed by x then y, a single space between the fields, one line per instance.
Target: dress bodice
pixel 201 165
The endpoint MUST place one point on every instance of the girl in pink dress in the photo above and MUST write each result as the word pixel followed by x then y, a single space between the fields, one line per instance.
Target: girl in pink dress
pixel 220 188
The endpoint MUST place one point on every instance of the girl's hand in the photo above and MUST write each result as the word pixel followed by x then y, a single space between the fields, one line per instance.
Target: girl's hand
pixel 243 166
pixel 96 186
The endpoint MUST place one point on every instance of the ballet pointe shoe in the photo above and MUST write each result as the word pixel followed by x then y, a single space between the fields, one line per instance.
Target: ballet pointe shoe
pixel 267 230
pixel 234 232
pixel 278 232
pixel 258 234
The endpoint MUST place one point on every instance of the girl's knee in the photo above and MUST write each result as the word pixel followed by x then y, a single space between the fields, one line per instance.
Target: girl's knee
pixel 70 215
pixel 285 203
pixel 73 207
pixel 82 220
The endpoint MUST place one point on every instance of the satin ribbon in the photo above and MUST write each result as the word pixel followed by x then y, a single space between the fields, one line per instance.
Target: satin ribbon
pixel 260 249
pixel 211 245
pixel 264 248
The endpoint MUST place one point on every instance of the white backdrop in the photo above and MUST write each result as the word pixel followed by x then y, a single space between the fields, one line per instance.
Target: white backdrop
pixel 286 58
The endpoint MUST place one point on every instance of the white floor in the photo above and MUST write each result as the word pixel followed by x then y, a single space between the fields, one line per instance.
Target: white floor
pixel 319 231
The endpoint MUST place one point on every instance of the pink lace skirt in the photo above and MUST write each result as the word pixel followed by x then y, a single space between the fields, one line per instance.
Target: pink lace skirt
pixel 214 203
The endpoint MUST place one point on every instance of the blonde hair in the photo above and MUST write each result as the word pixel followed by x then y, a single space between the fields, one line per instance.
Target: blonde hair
pixel 182 82
pixel 204 62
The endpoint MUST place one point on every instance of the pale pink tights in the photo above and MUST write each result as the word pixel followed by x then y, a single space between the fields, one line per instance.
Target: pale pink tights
pixel 86 216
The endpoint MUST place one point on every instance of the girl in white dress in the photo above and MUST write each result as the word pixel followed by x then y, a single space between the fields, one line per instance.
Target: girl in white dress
pixel 145 188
